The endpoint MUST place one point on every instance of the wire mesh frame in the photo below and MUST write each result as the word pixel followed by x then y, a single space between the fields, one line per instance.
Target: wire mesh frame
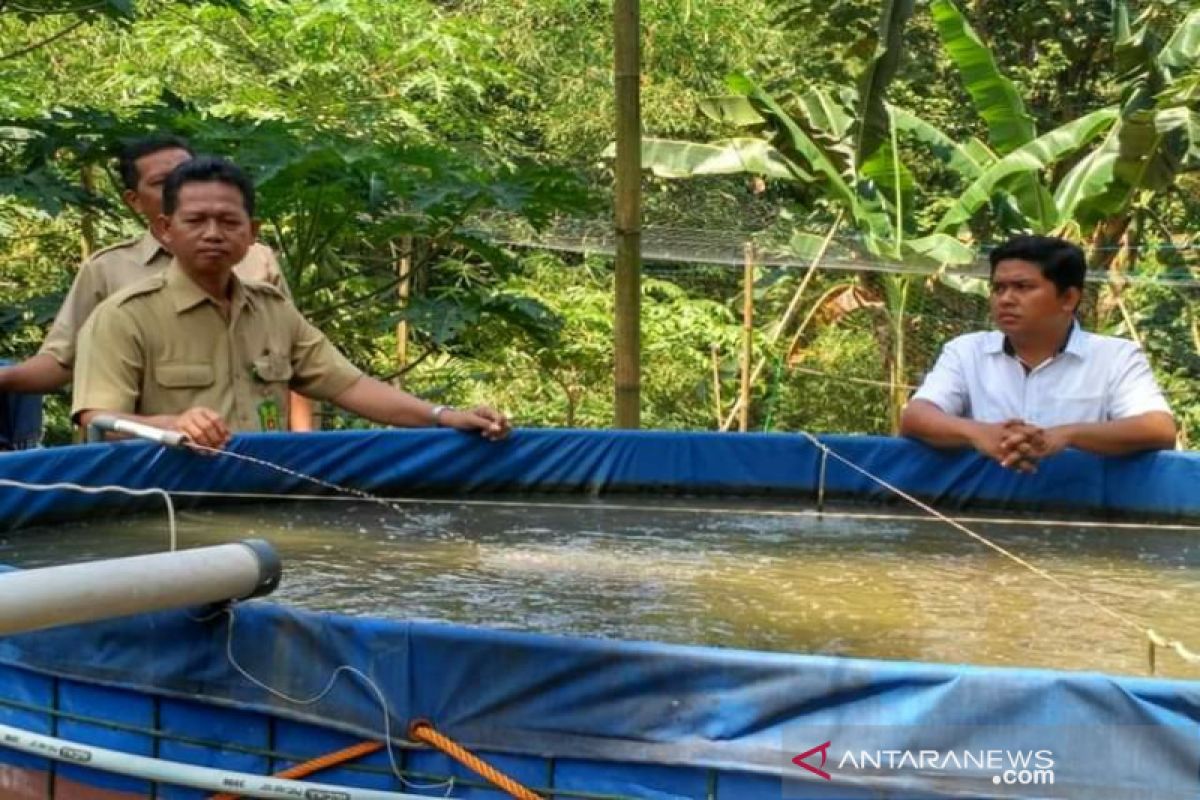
pixel 931 319
pixel 661 244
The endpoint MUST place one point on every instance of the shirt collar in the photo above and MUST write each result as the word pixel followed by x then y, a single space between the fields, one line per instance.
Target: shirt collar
pixel 149 249
pixel 186 294
pixel 1076 343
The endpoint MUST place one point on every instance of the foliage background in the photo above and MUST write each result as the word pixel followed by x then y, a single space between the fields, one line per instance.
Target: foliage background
pixel 370 126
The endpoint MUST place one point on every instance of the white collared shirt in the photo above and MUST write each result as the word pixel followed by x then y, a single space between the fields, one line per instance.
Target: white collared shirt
pixel 1093 379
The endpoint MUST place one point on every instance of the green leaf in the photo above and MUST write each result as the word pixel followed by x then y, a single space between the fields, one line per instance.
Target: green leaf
pixel 966 284
pixel 1034 202
pixel 527 313
pixel 1120 23
pixel 1087 179
pixel 1042 152
pixel 444 318
pixel 867 213
pixel 1183 48
pixel 995 97
pixel 825 114
pixel 874 125
pixel 669 158
pixel 939 249
pixel 805 245
pixel 119 8
pixel 968 159
pixel 883 169
pixel 732 110
pixel 1146 151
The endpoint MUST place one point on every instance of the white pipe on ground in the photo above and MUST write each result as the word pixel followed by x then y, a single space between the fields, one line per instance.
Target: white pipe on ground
pixel 51 596
pixel 178 774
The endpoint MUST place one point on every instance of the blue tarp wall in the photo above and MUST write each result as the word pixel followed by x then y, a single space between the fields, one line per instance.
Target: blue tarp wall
pixel 405 463
pixel 637 719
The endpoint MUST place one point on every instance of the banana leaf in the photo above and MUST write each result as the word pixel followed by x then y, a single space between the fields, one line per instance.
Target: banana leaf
pixel 874 124
pixel 669 158
pixel 995 97
pixel 1031 158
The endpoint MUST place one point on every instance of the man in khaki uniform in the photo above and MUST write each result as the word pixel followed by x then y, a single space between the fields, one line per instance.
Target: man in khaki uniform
pixel 199 350
pixel 144 165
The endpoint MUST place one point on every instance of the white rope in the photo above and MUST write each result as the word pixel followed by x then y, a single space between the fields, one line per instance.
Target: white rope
pixel 1178 647
pixel 448 784
pixel 173 537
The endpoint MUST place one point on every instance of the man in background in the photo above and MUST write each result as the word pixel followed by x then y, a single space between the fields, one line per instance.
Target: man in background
pixel 143 165
pixel 196 349
pixel 1039 383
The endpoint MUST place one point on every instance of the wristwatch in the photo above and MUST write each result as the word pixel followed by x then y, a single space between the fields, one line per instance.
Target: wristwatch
pixel 437 415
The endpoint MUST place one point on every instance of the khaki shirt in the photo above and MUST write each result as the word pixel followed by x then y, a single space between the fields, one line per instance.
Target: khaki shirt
pixel 114 268
pixel 163 346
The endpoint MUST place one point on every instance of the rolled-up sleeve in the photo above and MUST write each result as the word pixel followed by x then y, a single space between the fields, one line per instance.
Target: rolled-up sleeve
pixel 1132 388
pixel 108 371
pixel 946 384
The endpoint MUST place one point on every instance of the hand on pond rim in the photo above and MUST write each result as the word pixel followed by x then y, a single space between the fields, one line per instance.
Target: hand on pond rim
pixel 204 427
pixel 490 423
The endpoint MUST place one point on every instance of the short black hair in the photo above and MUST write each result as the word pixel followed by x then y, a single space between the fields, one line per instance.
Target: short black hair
pixel 207 169
pixel 133 149
pixel 1059 260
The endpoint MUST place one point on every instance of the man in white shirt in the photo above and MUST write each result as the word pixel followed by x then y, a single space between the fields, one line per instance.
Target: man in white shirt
pixel 1040 383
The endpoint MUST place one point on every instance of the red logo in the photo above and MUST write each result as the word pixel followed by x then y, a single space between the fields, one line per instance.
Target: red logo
pixel 823 750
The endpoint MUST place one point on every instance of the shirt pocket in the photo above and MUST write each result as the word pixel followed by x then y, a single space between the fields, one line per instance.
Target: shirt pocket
pixel 177 376
pixel 177 386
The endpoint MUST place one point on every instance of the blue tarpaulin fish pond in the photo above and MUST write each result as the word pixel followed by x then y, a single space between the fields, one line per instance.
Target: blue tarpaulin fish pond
pixel 576 717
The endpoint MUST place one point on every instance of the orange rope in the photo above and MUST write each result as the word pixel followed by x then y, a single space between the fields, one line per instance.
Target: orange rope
pixel 423 731
pixel 319 763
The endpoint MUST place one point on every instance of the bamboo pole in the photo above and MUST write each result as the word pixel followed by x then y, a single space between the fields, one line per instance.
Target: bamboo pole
pixel 715 352
pixel 747 336
pixel 403 291
pixel 627 312
pixel 787 317
pixel 898 395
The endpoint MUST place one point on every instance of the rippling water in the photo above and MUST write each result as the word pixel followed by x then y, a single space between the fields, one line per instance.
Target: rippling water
pixel 738 575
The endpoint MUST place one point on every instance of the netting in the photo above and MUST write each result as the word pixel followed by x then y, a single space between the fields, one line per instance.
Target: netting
pixel 839 346
pixel 697 246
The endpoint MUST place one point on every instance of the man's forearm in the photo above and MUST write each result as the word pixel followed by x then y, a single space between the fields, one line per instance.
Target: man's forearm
pixel 379 402
pixel 1152 431
pixel 36 375
pixel 925 421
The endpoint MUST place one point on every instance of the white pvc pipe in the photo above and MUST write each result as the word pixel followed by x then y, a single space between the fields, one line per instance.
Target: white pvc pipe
pixel 138 429
pixel 177 774
pixel 52 596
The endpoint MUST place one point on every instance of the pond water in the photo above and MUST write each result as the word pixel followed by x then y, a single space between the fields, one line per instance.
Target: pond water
pixel 739 575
